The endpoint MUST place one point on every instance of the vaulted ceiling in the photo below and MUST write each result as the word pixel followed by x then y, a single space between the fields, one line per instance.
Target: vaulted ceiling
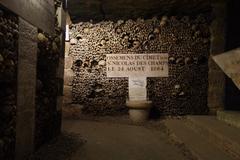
pixel 85 10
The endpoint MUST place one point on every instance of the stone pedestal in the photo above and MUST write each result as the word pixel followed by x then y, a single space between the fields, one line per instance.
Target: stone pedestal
pixel 138 104
pixel 139 110
pixel 138 67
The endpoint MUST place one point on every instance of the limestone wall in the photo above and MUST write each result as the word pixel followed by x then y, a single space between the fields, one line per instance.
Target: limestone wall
pixel 216 77
pixel 186 40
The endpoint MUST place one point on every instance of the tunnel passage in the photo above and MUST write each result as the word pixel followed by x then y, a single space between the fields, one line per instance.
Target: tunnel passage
pixel 232 99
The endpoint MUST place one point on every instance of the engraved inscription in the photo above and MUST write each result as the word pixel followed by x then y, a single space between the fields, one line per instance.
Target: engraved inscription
pixel 144 65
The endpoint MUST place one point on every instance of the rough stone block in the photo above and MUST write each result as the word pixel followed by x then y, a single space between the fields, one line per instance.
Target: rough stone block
pixel 68 77
pixel 67 48
pixel 67 92
pixel 68 62
pixel 230 117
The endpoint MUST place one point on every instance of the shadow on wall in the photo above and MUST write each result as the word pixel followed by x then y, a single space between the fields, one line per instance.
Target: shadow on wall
pixel 99 10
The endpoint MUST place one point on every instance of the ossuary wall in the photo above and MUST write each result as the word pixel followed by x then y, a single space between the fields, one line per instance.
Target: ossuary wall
pixel 187 41
pixel 9 33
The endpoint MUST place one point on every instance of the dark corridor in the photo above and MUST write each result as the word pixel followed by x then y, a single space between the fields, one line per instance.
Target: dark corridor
pixel 232 98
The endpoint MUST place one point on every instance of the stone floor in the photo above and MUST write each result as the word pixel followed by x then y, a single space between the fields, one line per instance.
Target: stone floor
pixel 206 137
pixel 117 138
pixel 113 141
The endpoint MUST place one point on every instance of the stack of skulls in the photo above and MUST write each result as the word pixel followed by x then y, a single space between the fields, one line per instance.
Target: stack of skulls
pixel 8 82
pixel 48 118
pixel 186 40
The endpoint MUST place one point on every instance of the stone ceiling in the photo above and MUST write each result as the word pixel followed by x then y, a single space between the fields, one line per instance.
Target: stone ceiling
pixel 97 10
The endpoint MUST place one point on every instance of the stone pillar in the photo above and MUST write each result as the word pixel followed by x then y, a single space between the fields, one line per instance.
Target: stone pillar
pixel 216 78
pixel 68 76
pixel 27 62
pixel 61 16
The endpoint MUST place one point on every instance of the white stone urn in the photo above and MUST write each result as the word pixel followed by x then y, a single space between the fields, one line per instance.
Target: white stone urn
pixel 139 110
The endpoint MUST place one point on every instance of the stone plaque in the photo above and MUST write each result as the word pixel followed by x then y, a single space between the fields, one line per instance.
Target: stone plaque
pixel 137 65
pixel 137 88
pixel 229 62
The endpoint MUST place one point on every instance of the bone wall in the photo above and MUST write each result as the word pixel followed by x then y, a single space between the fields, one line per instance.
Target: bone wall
pixel 186 40
pixel 8 82
pixel 49 85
